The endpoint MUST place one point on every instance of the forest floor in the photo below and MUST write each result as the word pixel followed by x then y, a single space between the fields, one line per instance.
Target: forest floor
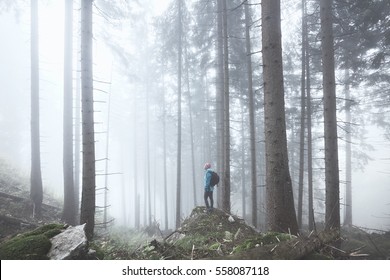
pixel 16 207
pixel 219 235
pixel 202 235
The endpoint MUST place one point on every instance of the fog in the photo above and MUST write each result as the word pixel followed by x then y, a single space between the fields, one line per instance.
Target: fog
pixel 125 85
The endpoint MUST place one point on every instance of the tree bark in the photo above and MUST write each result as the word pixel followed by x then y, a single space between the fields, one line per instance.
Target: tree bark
pixel 77 131
pixel 332 209
pixel 348 149
pixel 165 157
pixel 148 198
pixel 190 109
pixel 252 131
pixel 106 167
pixel 36 188
pixel 280 201
pixel 302 125
pixel 309 143
pixel 69 211
pixel 220 101
pixel 226 108
pixel 87 211
pixel 243 157
pixel 136 196
pixel 179 77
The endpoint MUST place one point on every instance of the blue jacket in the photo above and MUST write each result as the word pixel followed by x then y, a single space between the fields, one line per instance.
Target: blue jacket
pixel 207 179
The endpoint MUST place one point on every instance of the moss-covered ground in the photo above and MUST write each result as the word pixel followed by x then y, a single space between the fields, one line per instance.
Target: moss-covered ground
pixel 32 245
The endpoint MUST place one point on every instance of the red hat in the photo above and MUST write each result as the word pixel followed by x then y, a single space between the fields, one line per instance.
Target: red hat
pixel 207 165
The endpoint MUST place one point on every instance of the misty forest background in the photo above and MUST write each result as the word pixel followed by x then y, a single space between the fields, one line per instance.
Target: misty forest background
pixel 115 106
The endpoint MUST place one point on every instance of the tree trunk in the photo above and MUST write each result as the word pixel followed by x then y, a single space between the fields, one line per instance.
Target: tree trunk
pixel 87 214
pixel 309 142
pixel 220 101
pixel 106 187
pixel 280 200
pixel 243 165
pixel 77 130
pixel 348 150
pixel 69 211
pixel 77 144
pixel 125 215
pixel 194 188
pixel 332 211
pixel 302 126
pixel 36 189
pixel 148 199
pixel 207 116
pixel 165 158
pixel 179 77
pixel 136 196
pixel 226 141
pixel 252 124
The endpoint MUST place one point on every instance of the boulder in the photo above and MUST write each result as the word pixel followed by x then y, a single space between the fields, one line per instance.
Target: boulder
pixel 69 244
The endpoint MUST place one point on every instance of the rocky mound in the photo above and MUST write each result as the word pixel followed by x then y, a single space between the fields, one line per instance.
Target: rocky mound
pixel 202 235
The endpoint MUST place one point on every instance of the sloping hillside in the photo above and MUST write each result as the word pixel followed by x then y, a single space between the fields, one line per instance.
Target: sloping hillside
pixel 16 207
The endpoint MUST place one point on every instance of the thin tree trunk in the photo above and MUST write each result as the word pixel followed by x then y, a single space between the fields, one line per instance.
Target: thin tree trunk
pixel 77 128
pixel 220 101
pixel 243 165
pixel 148 179
pixel 87 213
pixel 348 150
pixel 251 117
pixel 309 125
pixel 332 211
pixel 207 128
pixel 191 128
pixel 165 158
pixel 136 196
pixel 36 189
pixel 69 211
pixel 302 125
pixel 106 187
pixel 77 140
pixel 145 210
pixel 226 105
pixel 309 142
pixel 123 188
pixel 280 200
pixel 179 77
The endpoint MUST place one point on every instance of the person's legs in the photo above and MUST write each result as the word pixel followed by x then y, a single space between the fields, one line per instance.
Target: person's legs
pixel 211 200
pixel 209 195
pixel 206 199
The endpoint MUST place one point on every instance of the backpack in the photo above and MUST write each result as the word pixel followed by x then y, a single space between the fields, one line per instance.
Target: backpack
pixel 214 179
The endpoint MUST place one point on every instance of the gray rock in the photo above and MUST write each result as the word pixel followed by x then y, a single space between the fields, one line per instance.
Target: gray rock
pixel 70 244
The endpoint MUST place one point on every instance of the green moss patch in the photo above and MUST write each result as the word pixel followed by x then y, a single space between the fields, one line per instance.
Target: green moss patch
pixel 32 245
pixel 261 240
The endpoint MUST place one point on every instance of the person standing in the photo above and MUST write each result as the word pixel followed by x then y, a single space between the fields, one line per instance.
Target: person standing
pixel 208 188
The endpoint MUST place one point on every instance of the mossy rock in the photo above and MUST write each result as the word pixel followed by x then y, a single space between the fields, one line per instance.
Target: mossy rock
pixel 32 245
pixel 48 230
